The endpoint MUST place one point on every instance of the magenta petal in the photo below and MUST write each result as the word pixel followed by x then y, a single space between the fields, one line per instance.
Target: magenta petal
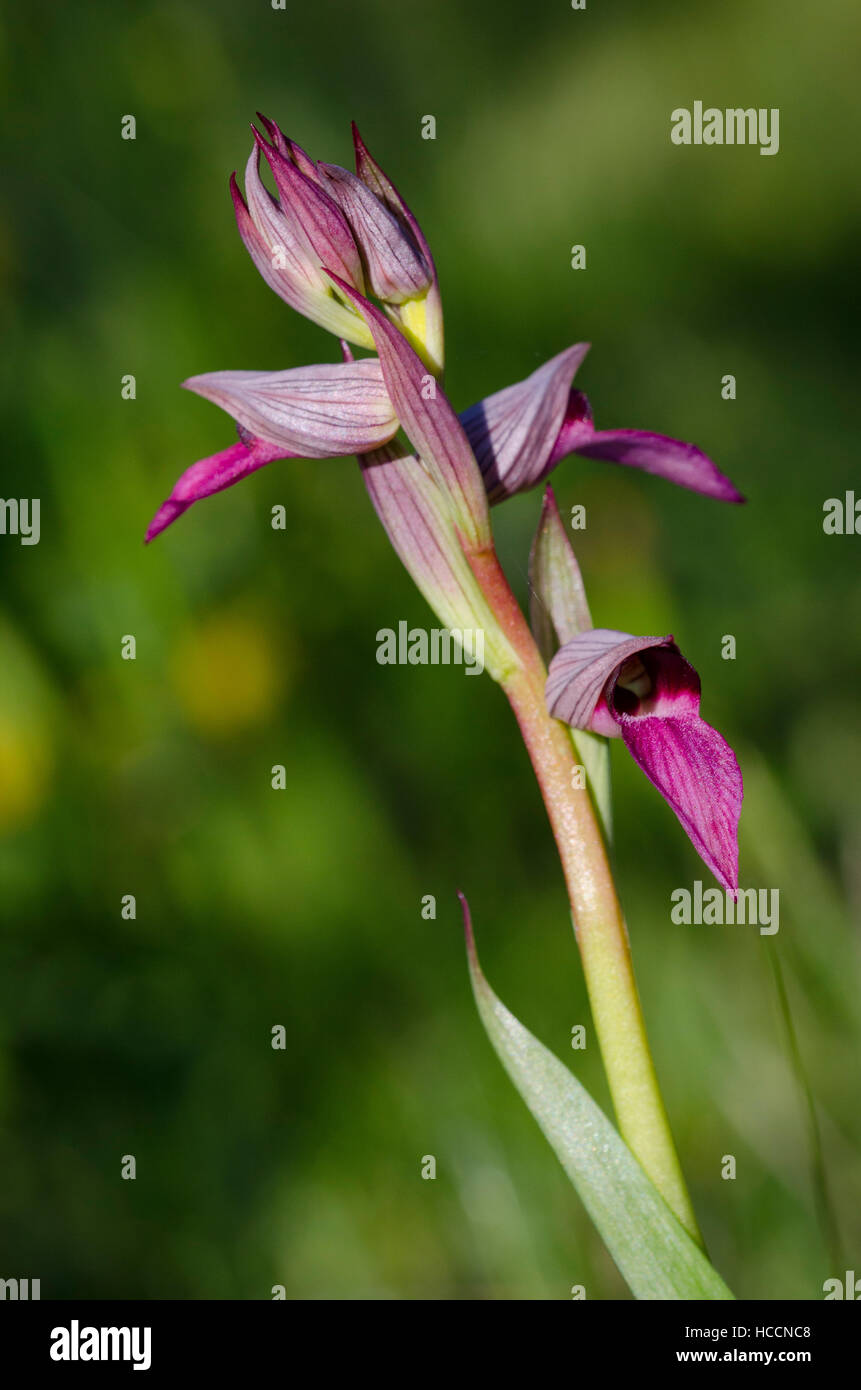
pixel 512 432
pixel 697 774
pixel 430 423
pixel 645 690
pixel 210 475
pixel 672 459
pixel 321 221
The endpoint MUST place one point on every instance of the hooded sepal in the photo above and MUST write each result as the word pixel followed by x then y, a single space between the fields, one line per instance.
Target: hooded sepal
pixel 420 319
pixel 519 435
pixel 394 267
pixel 643 690
pixel 285 257
pixel 513 432
pixel 327 411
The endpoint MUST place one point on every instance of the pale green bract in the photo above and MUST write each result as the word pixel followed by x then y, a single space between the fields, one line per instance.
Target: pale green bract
pixel 654 1254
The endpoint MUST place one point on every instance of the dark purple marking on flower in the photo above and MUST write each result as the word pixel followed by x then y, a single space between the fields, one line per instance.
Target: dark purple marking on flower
pixel 642 689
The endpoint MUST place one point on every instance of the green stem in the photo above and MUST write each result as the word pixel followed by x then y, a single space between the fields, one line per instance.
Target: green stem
pixel 597 916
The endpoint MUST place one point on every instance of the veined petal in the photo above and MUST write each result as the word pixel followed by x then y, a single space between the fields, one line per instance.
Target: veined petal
pixel 323 225
pixel 289 249
pixel 289 148
pixel 582 668
pixel 431 337
pixel 326 411
pixel 430 423
pixel 697 774
pixel 646 688
pixel 419 525
pixel 379 183
pixel 393 264
pixel 211 475
pixel 558 609
pixel 283 259
pixel 513 431
pixel 668 458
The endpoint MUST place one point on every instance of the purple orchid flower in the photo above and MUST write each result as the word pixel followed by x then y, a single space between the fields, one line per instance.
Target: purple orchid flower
pixel 519 435
pixel 643 690
pixel 325 216
pixel 330 236
pixel 337 409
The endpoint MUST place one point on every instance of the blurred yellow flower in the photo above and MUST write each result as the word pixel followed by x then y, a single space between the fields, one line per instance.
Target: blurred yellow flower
pixel 227 673
pixel 24 765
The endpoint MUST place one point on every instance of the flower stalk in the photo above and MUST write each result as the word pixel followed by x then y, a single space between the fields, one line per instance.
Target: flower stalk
pixel 599 925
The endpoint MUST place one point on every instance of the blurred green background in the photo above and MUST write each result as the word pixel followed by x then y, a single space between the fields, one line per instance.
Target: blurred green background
pixel 151 1037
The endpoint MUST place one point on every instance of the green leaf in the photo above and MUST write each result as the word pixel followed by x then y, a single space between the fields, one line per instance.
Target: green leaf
pixel 654 1253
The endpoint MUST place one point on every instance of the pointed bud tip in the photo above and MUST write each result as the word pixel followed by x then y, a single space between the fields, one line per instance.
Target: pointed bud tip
pixel 467 922
pixel 549 505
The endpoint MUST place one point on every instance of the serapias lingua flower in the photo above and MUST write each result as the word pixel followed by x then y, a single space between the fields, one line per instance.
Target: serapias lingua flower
pixel 336 409
pixel 328 238
pixel 642 689
pixel 354 224
pixel 519 435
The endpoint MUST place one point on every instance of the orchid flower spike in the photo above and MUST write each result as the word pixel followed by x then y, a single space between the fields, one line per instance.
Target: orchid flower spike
pixel 355 224
pixel 519 435
pixel 643 690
